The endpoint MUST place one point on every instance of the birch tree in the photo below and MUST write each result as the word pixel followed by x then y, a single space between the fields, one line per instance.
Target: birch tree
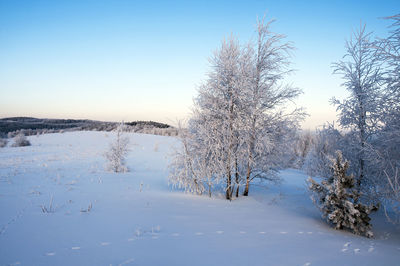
pixel 218 106
pixel 239 125
pixel 384 151
pixel 359 113
pixel 265 97
pixel 210 143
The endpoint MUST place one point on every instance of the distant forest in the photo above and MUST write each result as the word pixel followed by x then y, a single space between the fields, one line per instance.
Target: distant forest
pixel 30 125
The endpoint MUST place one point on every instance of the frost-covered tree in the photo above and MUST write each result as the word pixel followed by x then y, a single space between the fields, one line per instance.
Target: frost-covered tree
pixel 215 120
pixel 384 150
pixel 360 111
pixel 370 117
pixel 118 151
pixel 265 99
pixel 210 144
pixel 338 200
pixel 20 140
pixel 239 129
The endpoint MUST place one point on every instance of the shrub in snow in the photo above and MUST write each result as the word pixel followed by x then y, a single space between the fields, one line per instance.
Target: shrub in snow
pixel 20 140
pixel 338 200
pixel 3 143
pixel 117 152
pixel 88 209
pixel 48 209
pixel 327 140
pixel 189 172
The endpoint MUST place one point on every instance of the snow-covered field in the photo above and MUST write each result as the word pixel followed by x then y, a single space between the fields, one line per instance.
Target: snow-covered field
pixel 99 218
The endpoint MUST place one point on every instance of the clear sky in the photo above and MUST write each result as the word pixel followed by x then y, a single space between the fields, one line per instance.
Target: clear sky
pixel 143 60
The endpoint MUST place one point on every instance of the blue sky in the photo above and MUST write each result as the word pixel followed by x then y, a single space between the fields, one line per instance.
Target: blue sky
pixel 142 60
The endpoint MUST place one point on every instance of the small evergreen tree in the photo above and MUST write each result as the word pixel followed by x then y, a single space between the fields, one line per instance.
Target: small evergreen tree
pixel 337 199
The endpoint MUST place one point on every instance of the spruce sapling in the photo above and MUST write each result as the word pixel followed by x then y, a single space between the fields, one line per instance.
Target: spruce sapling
pixel 337 199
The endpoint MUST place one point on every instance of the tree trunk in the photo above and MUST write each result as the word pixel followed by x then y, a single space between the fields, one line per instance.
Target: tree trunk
pixel 246 189
pixel 362 162
pixel 250 158
pixel 237 178
pixel 230 151
pixel 228 186
pixel 362 126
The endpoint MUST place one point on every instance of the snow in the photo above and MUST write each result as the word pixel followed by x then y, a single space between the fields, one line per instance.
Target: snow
pixel 137 219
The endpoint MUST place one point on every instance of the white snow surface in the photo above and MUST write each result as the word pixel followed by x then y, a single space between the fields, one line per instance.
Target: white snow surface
pixel 136 218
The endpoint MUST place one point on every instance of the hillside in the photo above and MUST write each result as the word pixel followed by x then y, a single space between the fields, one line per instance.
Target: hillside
pixel 96 217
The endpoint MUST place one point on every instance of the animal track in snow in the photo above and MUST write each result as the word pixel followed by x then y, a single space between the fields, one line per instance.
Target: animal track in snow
pixel 126 262
pixel 199 234
pixel 15 218
pixel 283 232
pixel 50 254
pixel 300 232
pixel 105 243
pixel 219 232
pixel 261 233
pixel 347 244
